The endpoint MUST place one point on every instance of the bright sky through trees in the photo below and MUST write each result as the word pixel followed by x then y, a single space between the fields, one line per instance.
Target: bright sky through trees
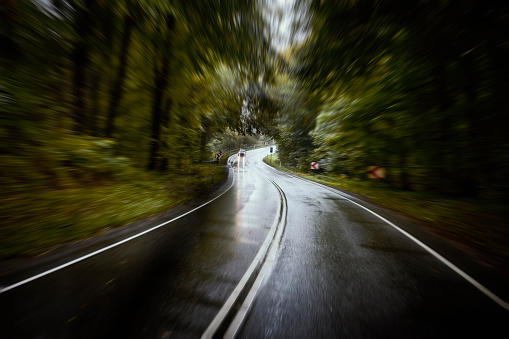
pixel 282 17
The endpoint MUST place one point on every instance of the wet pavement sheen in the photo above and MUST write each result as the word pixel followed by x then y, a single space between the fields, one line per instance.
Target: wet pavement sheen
pixel 344 273
pixel 340 272
pixel 170 282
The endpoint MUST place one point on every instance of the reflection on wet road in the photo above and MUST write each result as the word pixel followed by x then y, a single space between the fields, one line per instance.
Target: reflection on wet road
pixel 338 271
pixel 169 282
pixel 343 272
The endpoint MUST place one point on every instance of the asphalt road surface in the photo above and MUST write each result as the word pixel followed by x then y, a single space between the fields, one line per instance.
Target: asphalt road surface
pixel 267 255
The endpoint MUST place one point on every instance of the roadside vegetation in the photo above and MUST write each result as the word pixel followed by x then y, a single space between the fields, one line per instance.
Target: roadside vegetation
pixel 477 226
pixel 111 111
pixel 38 217
pixel 98 98
pixel 414 88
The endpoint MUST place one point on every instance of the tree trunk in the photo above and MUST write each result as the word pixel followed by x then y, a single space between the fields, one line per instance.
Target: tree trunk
pixel 161 82
pixel 10 50
pixel 80 60
pixel 92 124
pixel 471 155
pixel 204 136
pixel 403 167
pixel 165 121
pixel 495 167
pixel 118 86
pixel 443 181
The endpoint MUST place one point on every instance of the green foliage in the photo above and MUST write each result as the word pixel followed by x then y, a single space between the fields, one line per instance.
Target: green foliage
pixel 412 86
pixel 141 73
pixel 92 93
pixel 35 220
pixel 233 141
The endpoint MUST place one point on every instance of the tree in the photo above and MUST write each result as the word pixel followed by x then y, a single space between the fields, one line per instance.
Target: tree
pixel 415 77
pixel 118 86
pixel 161 78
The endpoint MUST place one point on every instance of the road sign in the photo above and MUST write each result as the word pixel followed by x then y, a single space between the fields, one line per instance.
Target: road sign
pixel 315 165
pixel 376 172
pixel 217 156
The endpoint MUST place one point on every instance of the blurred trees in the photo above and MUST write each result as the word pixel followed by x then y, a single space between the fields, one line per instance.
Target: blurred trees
pixel 416 86
pixel 139 74
pixel 419 87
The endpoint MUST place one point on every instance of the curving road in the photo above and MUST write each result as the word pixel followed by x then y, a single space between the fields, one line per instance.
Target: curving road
pixel 348 269
pixel 267 256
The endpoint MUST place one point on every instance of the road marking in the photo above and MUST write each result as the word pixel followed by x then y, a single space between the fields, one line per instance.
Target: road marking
pixel 259 266
pixel 449 264
pixel 40 275
pixel 267 265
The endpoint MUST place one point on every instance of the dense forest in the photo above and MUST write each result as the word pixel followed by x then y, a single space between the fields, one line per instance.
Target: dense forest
pixel 93 92
pixel 135 77
pixel 109 107
pixel 419 87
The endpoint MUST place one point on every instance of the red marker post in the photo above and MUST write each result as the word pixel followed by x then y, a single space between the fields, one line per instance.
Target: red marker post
pixel 376 172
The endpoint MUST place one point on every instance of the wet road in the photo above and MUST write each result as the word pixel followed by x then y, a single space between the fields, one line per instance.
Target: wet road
pixel 344 272
pixel 329 268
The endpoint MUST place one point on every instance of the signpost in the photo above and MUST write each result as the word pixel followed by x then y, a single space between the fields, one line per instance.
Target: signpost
pixel 342 176
pixel 376 172
pixel 315 165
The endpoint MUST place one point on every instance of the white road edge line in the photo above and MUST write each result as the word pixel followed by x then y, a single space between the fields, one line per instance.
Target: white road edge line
pixel 40 275
pixel 456 269
pixel 223 312
pixel 267 265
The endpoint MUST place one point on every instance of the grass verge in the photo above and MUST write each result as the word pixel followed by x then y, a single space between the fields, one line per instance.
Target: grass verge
pixel 477 226
pixel 34 220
